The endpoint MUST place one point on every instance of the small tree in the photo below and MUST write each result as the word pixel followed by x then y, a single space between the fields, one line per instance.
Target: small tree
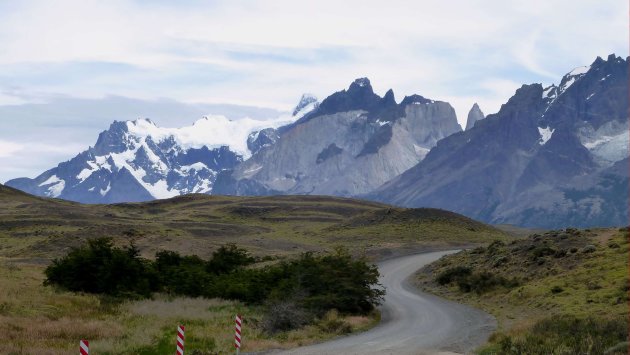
pixel 228 258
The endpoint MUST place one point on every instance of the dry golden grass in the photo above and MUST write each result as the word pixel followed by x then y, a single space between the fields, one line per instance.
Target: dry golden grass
pixel 40 320
pixel 64 333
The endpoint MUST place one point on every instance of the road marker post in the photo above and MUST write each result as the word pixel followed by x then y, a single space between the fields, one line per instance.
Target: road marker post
pixel 84 347
pixel 180 340
pixel 237 334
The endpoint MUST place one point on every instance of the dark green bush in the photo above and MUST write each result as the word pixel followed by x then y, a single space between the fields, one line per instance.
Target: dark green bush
pixel 182 275
pixel 229 258
pixel 556 289
pixel 316 284
pixel 483 282
pixel 469 281
pixel 541 251
pixel 451 274
pixel 99 267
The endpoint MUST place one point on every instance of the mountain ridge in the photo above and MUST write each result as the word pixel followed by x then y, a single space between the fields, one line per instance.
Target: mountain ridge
pixel 352 143
pixel 521 164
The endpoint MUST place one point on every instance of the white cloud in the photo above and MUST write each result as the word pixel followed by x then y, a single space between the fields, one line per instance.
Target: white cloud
pixel 8 149
pixel 30 160
pixel 267 53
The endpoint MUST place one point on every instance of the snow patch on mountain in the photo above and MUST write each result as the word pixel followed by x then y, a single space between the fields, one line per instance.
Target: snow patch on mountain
pixel 55 186
pixel 106 190
pixel 610 148
pixel 572 77
pixel 195 167
pixel 210 131
pixel 580 70
pixel 545 134
pixel 550 92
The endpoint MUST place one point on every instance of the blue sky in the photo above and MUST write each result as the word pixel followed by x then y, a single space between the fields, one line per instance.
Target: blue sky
pixel 266 53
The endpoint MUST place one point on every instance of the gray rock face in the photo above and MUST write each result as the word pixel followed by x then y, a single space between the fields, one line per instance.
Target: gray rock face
pixel 474 115
pixel 354 142
pixel 261 139
pixel 550 158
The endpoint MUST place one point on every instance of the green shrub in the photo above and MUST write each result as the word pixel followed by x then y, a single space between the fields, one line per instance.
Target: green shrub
pixel 556 289
pixel 283 316
pixel 333 281
pixel 483 282
pixel 541 251
pixel 99 267
pixel 451 274
pixel 469 281
pixel 313 284
pixel 331 323
pixel 182 275
pixel 229 258
pixel 494 247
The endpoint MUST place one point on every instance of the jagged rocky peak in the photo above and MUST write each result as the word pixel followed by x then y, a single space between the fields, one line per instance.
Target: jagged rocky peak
pixel 361 83
pixel 475 114
pixel 361 89
pixel 113 139
pixel 308 102
pixel 359 96
pixel 415 100
pixel 389 99
pixel 608 65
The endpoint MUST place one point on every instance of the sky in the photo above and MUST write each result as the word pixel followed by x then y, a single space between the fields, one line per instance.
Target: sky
pixel 68 68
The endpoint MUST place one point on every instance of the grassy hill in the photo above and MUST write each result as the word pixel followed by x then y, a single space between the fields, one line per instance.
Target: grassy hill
pixel 557 292
pixel 32 227
pixel 44 320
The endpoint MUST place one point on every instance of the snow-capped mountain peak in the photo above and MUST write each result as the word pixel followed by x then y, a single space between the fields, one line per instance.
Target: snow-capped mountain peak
pixel 139 160
pixel 307 103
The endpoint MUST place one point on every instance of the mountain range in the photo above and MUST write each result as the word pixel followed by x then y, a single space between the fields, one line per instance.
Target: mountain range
pixel 551 157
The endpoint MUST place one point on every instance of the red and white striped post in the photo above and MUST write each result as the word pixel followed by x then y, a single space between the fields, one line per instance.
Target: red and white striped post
pixel 237 335
pixel 180 340
pixel 84 347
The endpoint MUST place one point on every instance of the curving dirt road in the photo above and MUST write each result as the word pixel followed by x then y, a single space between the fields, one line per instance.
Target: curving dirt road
pixel 413 322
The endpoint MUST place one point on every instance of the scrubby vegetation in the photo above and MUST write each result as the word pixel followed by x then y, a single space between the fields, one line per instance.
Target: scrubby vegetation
pixel 566 335
pixel 478 282
pixel 305 288
pixel 559 292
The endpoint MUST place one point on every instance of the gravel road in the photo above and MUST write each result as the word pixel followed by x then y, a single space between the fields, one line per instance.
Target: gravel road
pixel 412 322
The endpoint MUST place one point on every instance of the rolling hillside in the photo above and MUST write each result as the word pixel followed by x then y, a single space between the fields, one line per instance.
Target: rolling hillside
pixel 550 292
pixel 32 227
pixel 46 320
